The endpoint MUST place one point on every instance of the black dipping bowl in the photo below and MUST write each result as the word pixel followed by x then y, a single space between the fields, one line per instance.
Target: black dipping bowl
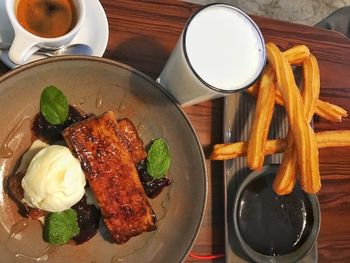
pixel 265 222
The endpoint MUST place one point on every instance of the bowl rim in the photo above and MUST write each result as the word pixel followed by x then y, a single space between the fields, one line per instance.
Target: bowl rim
pixel 111 62
pixel 294 256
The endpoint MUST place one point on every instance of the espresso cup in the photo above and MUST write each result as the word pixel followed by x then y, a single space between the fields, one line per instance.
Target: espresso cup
pixel 220 51
pixel 26 43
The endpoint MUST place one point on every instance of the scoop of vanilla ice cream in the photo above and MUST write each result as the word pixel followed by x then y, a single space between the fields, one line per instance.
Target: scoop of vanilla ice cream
pixel 54 180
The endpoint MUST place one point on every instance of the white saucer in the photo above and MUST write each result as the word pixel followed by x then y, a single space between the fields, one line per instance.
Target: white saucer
pixel 94 32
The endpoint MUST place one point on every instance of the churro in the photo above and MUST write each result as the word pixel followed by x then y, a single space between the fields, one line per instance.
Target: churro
pixel 325 110
pixel 262 120
pixel 329 111
pixel 229 151
pixel 294 55
pixel 286 177
pixel 324 139
pixel 264 108
pixel 304 136
pixel 297 54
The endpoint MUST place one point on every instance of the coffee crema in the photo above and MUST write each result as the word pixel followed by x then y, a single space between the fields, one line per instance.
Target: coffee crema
pixel 47 18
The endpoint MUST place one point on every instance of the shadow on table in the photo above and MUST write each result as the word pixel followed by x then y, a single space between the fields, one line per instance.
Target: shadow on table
pixel 142 53
pixel 217 182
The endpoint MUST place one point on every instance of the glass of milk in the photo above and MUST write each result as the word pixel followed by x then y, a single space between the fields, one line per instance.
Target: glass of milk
pixel 221 51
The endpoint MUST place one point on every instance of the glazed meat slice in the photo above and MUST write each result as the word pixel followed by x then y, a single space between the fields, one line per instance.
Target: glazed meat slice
pixel 131 140
pixel 15 191
pixel 112 176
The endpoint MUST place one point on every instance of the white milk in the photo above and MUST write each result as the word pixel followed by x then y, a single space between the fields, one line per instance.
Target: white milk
pixel 224 48
pixel 220 52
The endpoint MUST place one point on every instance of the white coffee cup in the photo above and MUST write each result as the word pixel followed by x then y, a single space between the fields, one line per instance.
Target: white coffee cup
pixel 26 44
pixel 220 51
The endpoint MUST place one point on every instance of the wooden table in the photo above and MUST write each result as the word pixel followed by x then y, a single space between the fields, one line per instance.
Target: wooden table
pixel 143 33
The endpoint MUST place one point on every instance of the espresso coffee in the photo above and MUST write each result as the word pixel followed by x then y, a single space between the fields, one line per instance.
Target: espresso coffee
pixel 47 18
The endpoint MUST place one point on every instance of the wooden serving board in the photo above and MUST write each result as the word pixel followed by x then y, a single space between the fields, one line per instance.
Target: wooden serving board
pixel 143 33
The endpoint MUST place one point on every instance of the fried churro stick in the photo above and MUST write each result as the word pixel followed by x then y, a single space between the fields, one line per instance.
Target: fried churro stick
pixel 294 55
pixel 297 54
pixel 265 106
pixel 328 111
pixel 304 136
pixel 325 110
pixel 325 139
pixel 287 174
pixel 233 150
pixel 262 119
pixel 328 139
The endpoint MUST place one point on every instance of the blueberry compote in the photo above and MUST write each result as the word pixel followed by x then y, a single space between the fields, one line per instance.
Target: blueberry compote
pixel 51 133
pixel 151 185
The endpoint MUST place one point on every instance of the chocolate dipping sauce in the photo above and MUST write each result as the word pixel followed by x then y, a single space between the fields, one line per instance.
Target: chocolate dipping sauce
pixel 270 224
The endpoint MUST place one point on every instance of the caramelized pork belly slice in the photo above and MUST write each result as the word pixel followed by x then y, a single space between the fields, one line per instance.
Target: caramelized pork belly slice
pixel 131 140
pixel 112 176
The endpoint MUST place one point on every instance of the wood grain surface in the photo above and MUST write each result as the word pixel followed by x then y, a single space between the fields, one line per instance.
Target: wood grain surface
pixel 143 33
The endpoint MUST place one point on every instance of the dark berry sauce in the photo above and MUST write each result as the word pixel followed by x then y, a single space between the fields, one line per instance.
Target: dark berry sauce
pixel 50 133
pixel 152 186
pixel 88 218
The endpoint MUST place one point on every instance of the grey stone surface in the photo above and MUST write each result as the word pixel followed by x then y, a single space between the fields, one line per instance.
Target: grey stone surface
pixel 307 12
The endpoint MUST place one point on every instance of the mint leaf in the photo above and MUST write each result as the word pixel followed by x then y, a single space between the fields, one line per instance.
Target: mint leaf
pixel 54 105
pixel 60 227
pixel 158 159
